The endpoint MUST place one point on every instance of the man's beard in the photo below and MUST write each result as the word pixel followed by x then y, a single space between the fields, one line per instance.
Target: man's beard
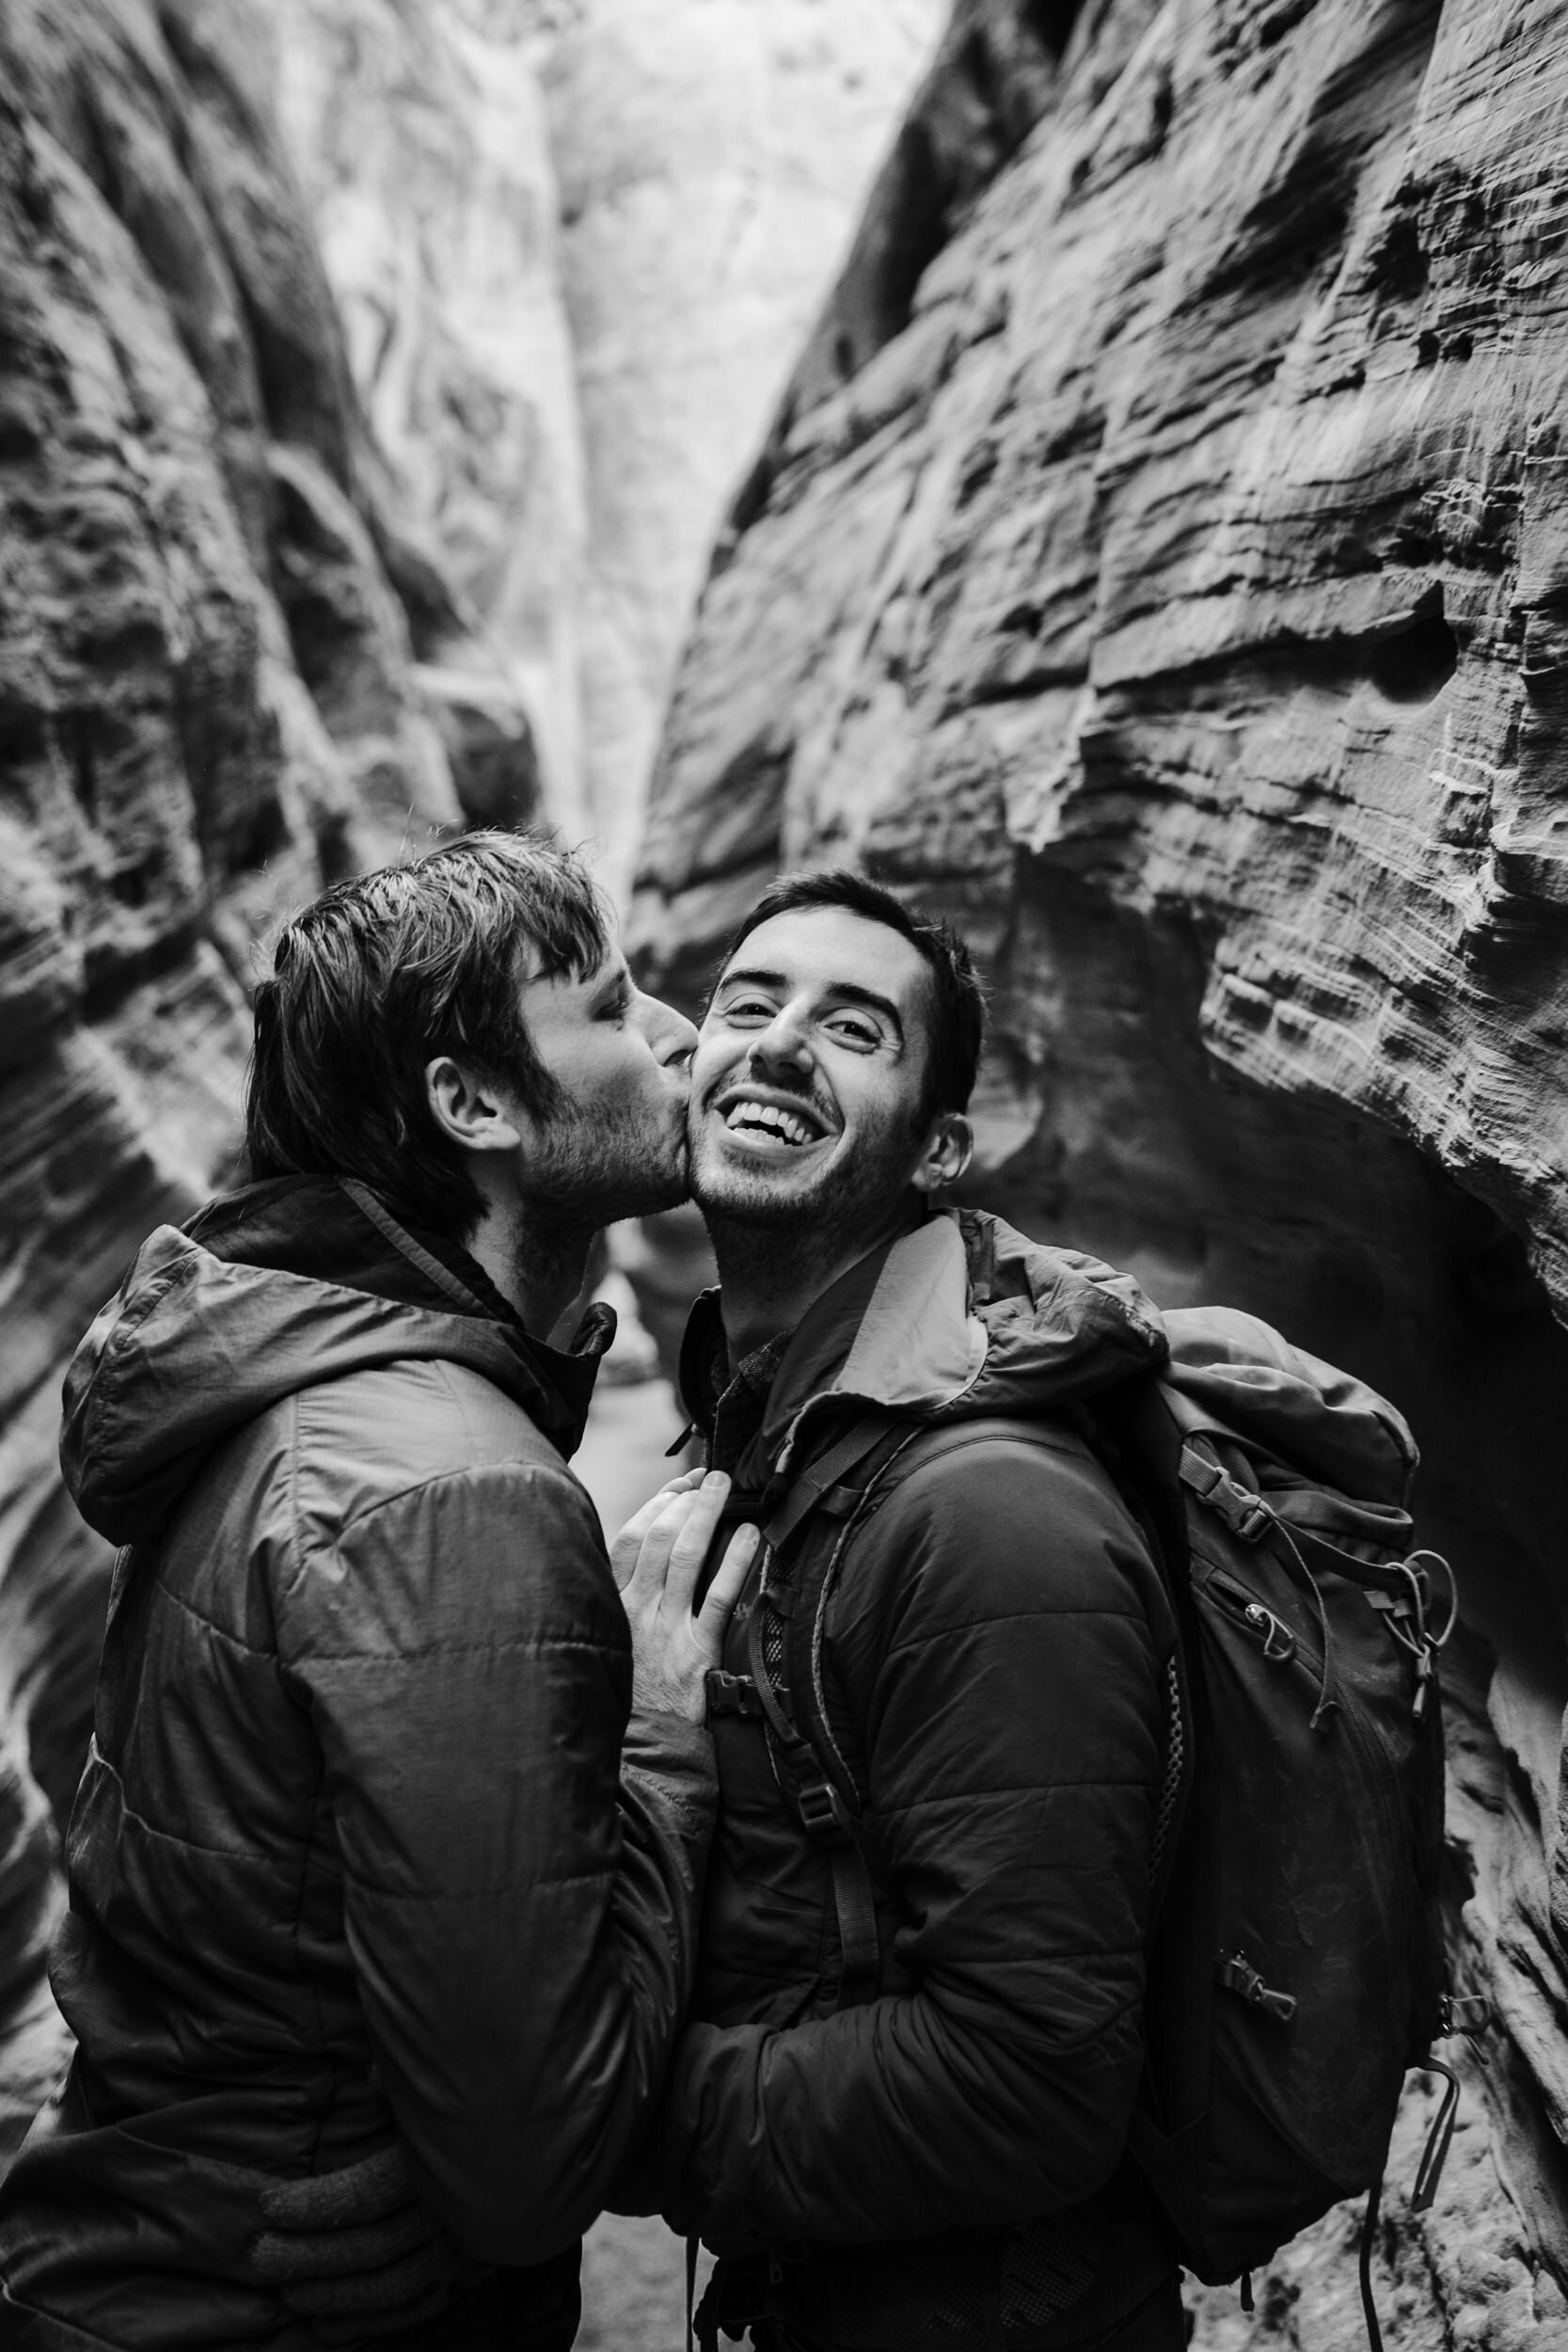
pixel 590 1170
pixel 849 1199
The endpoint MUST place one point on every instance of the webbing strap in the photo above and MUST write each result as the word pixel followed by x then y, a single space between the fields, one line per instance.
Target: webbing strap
pixel 1436 2154
pixel 857 1925
pixel 827 1812
pixel 830 1823
pixel 815 1485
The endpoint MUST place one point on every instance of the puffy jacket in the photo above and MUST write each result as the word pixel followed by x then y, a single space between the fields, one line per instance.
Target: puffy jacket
pixel 996 1663
pixel 347 1855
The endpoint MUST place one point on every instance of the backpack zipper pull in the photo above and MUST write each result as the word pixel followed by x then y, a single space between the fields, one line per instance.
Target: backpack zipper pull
pixel 1238 1974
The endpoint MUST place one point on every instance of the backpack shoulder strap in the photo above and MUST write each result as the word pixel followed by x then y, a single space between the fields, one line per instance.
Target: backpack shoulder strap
pixel 806 1535
pixel 1137 1438
pixel 809 1536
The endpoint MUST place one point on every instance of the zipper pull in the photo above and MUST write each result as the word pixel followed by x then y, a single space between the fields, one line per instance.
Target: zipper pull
pixel 1279 1642
pixel 1238 1974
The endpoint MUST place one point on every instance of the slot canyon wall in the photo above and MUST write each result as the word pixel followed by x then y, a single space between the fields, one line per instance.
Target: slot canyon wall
pixel 1159 564
pixel 209 614
pixel 576 245
pixel 1159 561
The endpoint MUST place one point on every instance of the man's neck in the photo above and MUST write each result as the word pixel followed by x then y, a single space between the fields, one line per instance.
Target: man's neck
pixel 771 1276
pixel 538 1266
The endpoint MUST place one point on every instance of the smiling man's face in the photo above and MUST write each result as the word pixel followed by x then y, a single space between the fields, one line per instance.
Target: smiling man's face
pixel 807 1084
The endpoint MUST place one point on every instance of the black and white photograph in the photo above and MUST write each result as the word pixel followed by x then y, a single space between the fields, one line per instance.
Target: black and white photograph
pixel 784 1175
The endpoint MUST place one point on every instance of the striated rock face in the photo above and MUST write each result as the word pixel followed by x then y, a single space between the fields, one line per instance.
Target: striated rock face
pixel 577 245
pixel 207 707
pixel 420 133
pixel 1159 563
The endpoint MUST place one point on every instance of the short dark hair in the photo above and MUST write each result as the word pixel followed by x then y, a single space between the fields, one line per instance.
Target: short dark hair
pixel 956 1021
pixel 384 971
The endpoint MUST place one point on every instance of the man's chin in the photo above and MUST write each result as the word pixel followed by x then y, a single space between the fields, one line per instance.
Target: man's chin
pixel 738 1196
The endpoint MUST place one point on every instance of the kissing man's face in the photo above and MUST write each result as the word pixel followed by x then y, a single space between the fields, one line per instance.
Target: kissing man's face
pixel 614 1145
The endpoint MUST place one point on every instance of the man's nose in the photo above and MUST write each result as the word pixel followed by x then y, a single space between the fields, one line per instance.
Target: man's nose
pixel 673 1037
pixel 784 1044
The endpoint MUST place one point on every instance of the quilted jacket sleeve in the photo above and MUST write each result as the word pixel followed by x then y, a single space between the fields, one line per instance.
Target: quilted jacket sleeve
pixel 994 1638
pixel 522 1936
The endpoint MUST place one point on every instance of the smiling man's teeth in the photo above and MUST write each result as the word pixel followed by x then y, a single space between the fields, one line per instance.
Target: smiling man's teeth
pixel 783 1123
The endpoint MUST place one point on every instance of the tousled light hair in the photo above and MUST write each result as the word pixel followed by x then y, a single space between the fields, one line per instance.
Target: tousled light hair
pixel 383 972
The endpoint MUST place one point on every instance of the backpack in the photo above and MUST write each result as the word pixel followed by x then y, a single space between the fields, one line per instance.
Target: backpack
pixel 1296 1966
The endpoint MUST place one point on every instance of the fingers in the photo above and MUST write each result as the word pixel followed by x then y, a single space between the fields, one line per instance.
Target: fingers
pixel 725 1590
pixel 285 2258
pixel 370 2191
pixel 625 1550
pixel 388 2290
pixel 693 1540
pixel 685 1522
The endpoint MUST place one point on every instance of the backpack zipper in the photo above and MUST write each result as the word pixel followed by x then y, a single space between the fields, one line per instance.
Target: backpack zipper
pixel 1279 1641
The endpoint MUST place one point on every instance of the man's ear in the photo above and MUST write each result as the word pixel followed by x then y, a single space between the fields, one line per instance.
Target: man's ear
pixel 948 1152
pixel 468 1108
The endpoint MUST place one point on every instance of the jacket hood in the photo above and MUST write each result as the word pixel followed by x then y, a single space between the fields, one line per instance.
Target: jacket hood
pixel 267 1292
pixel 960 1317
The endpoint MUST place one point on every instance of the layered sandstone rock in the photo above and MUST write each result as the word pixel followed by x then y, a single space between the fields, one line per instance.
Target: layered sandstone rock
pixel 207 706
pixel 577 245
pixel 1158 562
pixel 420 137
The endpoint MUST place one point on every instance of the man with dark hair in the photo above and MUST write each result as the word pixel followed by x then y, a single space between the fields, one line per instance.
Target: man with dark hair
pixel 900 2109
pixel 366 1851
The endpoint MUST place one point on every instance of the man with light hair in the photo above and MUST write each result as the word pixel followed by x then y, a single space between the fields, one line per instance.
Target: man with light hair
pixel 393 1827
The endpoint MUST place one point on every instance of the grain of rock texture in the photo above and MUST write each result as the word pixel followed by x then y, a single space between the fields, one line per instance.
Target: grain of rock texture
pixel 1160 562
pixel 419 136
pixel 711 157
pixel 205 707
pixel 576 246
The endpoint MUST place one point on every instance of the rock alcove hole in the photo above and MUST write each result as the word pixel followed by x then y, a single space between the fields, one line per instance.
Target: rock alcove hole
pixel 1414 665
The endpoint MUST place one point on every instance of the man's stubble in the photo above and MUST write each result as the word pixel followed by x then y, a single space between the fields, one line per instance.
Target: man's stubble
pixel 846 1206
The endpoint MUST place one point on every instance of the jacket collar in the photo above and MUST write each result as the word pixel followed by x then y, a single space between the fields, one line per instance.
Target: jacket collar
pixel 960 1316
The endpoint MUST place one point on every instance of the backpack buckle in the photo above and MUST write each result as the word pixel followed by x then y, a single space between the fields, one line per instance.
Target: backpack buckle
pixel 1463 2012
pixel 1246 1514
pixel 823 1810
pixel 731 1694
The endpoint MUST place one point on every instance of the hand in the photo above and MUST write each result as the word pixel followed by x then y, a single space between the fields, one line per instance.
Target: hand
pixel 353 2254
pixel 658 1558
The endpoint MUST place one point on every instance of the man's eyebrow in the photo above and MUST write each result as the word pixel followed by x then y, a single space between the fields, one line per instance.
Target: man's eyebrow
pixel 844 991
pixel 614 982
pixel 774 980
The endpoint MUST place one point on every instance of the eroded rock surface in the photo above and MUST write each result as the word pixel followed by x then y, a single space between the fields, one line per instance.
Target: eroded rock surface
pixel 1158 562
pixel 207 707
pixel 576 246
pixel 418 131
